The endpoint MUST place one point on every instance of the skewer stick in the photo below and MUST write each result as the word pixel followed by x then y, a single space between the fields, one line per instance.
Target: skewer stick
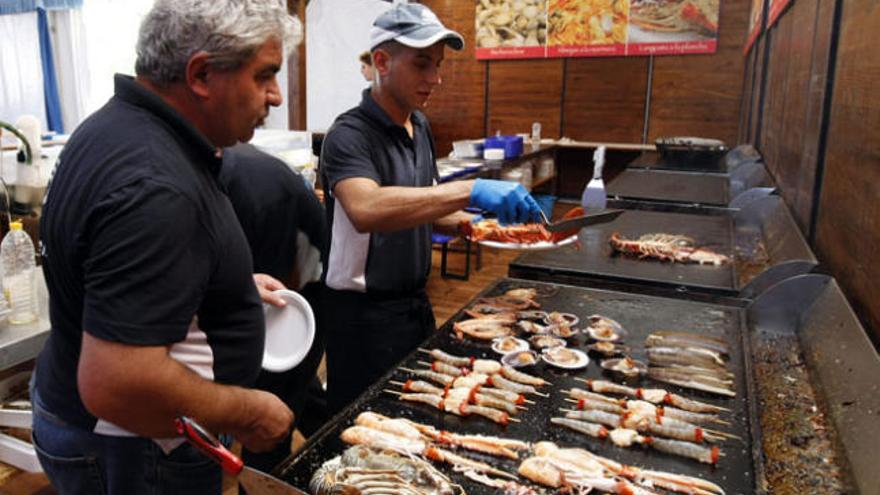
pixel 521 408
pixel 539 394
pixel 393 392
pixel 396 383
pixel 423 363
pixel 408 370
pixel 426 351
pixel 514 420
pixel 566 410
pixel 527 401
pixel 583 380
pixel 722 434
pixel 571 400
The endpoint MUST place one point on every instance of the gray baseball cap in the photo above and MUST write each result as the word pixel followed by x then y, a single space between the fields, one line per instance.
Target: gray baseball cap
pixel 413 25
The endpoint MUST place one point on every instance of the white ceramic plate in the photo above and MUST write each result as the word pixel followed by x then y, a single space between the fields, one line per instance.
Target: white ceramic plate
pixel 290 332
pixel 581 361
pixel 535 246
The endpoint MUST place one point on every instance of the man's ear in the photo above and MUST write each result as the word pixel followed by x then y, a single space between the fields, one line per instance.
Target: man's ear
pixel 197 74
pixel 381 61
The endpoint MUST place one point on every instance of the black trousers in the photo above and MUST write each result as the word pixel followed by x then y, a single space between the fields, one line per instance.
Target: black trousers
pixel 367 335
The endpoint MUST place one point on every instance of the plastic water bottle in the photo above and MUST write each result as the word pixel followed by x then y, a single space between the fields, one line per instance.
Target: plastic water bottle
pixel 17 260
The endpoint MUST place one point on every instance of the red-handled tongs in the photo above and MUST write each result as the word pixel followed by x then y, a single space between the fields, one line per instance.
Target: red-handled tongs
pixel 255 482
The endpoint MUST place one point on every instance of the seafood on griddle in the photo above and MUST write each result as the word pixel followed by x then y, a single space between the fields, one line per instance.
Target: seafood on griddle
pixel 503 345
pixel 584 399
pixel 362 470
pixel 608 349
pixel 531 315
pixel 697 381
pixel 519 359
pixel 531 327
pixel 685 339
pixel 513 302
pixel 605 329
pixel 523 292
pixel 667 247
pixel 546 341
pixel 643 422
pixel 491 311
pixel 563 357
pixel 652 395
pixel 575 468
pixel 626 366
pixel 523 233
pixel 482 329
pixel 563 331
pixel 557 318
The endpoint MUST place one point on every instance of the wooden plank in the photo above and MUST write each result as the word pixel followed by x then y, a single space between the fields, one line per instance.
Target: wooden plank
pixel 746 102
pixel 457 108
pixel 791 167
pixel 774 102
pixel 605 99
pixel 806 196
pixel 525 91
pixel 754 117
pixel 848 231
pixel 698 94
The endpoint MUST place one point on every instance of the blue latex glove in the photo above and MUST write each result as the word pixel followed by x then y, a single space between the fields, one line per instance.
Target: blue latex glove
pixel 509 200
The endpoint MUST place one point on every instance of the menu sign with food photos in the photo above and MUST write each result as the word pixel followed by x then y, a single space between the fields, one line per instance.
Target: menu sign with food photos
pixel 776 8
pixel 594 28
pixel 755 18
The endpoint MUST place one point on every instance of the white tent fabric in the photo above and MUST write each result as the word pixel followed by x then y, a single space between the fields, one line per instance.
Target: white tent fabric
pixel 337 31
pixel 21 77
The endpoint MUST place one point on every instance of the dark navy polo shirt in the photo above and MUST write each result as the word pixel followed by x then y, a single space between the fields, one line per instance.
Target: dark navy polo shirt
pixel 365 142
pixel 137 241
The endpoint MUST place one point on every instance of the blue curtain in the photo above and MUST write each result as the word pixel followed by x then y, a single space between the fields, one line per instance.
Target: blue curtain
pixel 50 81
pixel 20 6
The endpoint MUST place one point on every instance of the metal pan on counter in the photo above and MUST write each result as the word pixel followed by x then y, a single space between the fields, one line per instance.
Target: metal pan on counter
pixel 675 188
pixel 762 242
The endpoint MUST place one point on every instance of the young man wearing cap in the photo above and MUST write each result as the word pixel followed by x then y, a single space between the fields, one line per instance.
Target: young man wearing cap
pixel 379 176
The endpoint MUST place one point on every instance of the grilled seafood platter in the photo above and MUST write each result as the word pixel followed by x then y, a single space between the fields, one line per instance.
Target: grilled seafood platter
pixel 546 341
pixel 563 357
pixel 605 329
pixel 608 348
pixel 481 329
pixel 505 345
pixel 520 359
pixel 626 366
pixel 491 311
pixel 667 247
pixel 365 470
pixel 522 234
pixel 523 293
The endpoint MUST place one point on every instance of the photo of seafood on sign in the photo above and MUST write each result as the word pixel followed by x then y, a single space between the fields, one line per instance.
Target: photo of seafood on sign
pixel 673 26
pixel 511 28
pixel 587 27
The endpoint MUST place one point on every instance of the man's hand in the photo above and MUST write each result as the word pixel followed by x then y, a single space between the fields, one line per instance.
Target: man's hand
pixel 266 285
pixel 271 422
pixel 509 200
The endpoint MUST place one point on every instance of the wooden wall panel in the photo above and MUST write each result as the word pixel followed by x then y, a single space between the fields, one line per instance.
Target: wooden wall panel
pixel 697 94
pixel 774 99
pixel 525 91
pixel 755 120
pixel 605 99
pixel 457 109
pixel 748 91
pixel 805 200
pixel 790 166
pixel 848 233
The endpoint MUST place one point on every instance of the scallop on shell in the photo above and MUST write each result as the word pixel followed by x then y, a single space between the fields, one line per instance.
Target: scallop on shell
pixel 605 329
pixel 626 366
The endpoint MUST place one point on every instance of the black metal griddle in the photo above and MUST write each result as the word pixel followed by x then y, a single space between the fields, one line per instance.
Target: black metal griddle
pixel 762 237
pixel 640 315
pixel 680 188
pixel 654 160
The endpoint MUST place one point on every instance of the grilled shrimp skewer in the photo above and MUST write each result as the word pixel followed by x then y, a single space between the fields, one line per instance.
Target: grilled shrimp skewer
pixel 669 428
pixel 456 406
pixel 590 400
pixel 652 395
pixel 472 380
pixel 626 437
pixel 470 395
pixel 497 446
pixel 459 366
pixel 674 482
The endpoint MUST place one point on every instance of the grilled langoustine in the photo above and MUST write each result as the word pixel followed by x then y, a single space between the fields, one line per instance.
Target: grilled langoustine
pixel 667 247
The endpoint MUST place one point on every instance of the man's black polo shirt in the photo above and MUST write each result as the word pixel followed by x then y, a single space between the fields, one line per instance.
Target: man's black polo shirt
pixel 365 142
pixel 137 240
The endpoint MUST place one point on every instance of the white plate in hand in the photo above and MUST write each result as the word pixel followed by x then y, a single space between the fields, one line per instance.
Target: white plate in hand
pixel 290 332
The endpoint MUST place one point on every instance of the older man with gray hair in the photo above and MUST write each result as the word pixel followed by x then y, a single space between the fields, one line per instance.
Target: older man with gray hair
pixel 155 312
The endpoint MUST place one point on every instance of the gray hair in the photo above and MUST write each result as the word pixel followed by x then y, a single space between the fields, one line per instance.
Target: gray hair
pixel 230 31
